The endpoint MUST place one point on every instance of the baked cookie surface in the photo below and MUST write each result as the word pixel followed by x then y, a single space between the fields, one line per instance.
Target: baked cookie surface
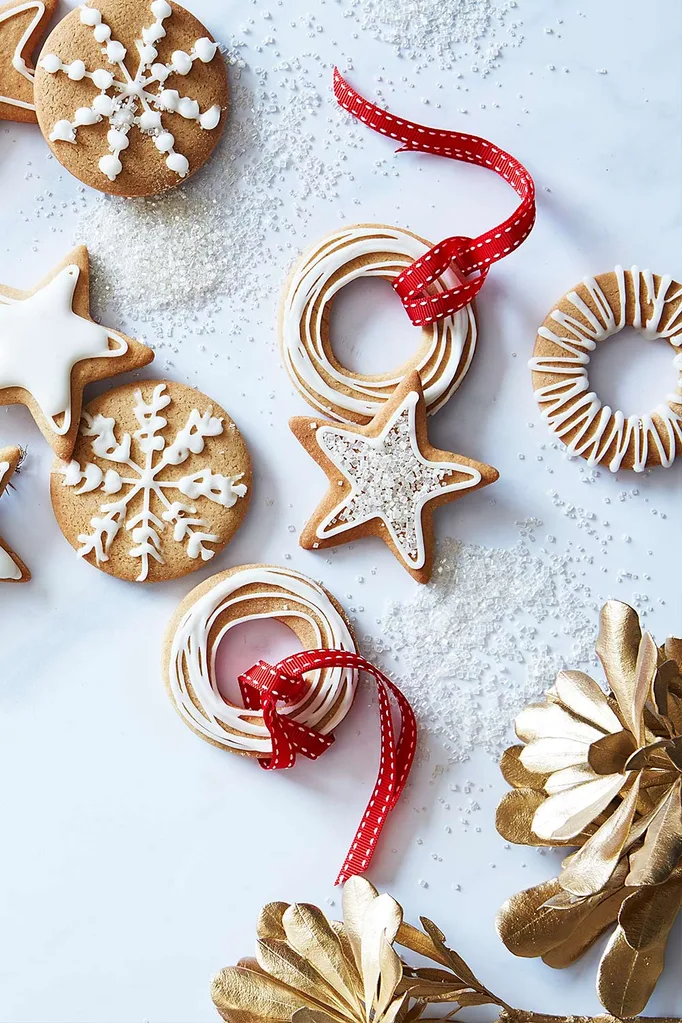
pixel 12 568
pixel 22 23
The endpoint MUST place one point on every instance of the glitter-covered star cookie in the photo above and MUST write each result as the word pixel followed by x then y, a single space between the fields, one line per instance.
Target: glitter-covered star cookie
pixel 50 349
pixel 12 568
pixel 385 479
pixel 22 23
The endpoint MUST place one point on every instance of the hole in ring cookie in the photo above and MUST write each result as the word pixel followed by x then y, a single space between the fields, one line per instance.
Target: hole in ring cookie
pixel 363 317
pixel 247 594
pixel 267 639
pixel 597 309
pixel 365 251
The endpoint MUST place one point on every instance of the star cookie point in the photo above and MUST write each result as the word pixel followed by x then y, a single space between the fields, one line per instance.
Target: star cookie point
pixel 386 479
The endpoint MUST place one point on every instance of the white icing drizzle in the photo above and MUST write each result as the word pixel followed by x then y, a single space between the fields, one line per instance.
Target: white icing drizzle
pixel 126 100
pixel 192 663
pixel 42 339
pixel 147 479
pixel 18 61
pixel 442 364
pixel 568 404
pixel 390 479
pixel 8 567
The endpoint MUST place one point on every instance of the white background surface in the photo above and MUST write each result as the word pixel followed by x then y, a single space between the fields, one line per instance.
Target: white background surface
pixel 134 858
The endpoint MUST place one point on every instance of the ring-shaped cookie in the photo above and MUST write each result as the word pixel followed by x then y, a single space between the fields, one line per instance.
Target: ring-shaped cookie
pixel 598 308
pixel 365 250
pixel 244 594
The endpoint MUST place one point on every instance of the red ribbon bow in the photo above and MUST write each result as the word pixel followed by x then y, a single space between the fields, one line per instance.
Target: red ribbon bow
pixel 263 686
pixel 464 255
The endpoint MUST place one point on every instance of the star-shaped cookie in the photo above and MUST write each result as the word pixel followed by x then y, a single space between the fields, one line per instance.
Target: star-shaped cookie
pixel 12 568
pixel 50 348
pixel 385 479
pixel 22 23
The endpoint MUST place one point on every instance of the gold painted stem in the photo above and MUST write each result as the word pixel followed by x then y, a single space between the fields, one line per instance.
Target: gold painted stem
pixel 520 1016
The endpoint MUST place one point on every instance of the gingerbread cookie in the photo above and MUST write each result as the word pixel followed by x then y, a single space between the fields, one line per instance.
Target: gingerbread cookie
pixel 365 250
pixel 131 96
pixel 598 308
pixel 22 23
pixel 50 348
pixel 12 568
pixel 241 595
pixel 385 479
pixel 159 482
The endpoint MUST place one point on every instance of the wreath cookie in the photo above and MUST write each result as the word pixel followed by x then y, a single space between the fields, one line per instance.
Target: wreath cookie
pixel 50 348
pixel 12 568
pixel 159 482
pixel 240 595
pixel 598 308
pixel 131 96
pixel 365 250
pixel 22 23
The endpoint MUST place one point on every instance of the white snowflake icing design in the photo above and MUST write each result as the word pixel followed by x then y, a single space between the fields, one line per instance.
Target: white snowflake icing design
pixel 145 527
pixel 390 479
pixel 126 100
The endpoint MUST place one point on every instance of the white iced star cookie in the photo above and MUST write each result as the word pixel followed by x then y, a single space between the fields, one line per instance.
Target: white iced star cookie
pixel 159 481
pixel 22 23
pixel 50 349
pixel 12 568
pixel 131 95
pixel 385 479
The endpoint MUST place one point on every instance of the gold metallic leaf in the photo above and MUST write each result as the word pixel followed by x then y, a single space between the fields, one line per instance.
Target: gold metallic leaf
pixel 311 1016
pixel 617 648
pixel 645 672
pixel 648 914
pixel 310 934
pixel 347 949
pixel 567 813
pixel 280 961
pixel 627 978
pixel 452 958
pixel 390 973
pixel 514 816
pixel 414 939
pixel 673 650
pixel 516 774
pixel 358 895
pixel 585 697
pixel 554 754
pixel 552 721
pixel 667 671
pixel 591 927
pixel 381 967
pixel 610 754
pixel 593 865
pixel 530 928
pixel 241 996
pixel 662 848
pixel 270 921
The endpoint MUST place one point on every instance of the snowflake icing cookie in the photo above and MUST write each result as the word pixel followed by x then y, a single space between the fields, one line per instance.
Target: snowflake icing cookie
pixel 50 348
pixel 22 23
pixel 131 95
pixel 12 568
pixel 385 479
pixel 159 482
pixel 598 308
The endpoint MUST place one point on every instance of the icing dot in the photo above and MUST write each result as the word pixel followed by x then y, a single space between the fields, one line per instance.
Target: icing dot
pixel 178 163
pixel 164 142
pixel 182 62
pixel 102 78
pixel 118 140
pixel 210 118
pixel 90 16
pixel 188 108
pixel 62 131
pixel 115 51
pixel 111 166
pixel 160 72
pixel 104 105
pixel 101 33
pixel 51 63
pixel 152 33
pixel 205 49
pixel 169 99
pixel 161 9
pixel 85 115
pixel 76 71
pixel 148 54
pixel 150 120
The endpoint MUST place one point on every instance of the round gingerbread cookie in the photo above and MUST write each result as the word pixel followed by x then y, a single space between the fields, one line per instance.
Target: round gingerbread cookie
pixel 159 482
pixel 597 308
pixel 131 95
pixel 239 595
pixel 445 348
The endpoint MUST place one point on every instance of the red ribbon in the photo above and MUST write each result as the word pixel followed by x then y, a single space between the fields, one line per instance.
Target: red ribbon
pixel 463 255
pixel 263 686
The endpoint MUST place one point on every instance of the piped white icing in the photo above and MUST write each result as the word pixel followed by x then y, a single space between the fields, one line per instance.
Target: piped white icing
pixel 8 567
pixel 390 479
pixel 318 278
pixel 132 478
pixel 568 404
pixel 42 339
pixel 18 61
pixel 192 663
pixel 125 100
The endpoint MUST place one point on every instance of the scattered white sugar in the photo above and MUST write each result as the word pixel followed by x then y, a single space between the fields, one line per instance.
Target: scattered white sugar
pixel 487 636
